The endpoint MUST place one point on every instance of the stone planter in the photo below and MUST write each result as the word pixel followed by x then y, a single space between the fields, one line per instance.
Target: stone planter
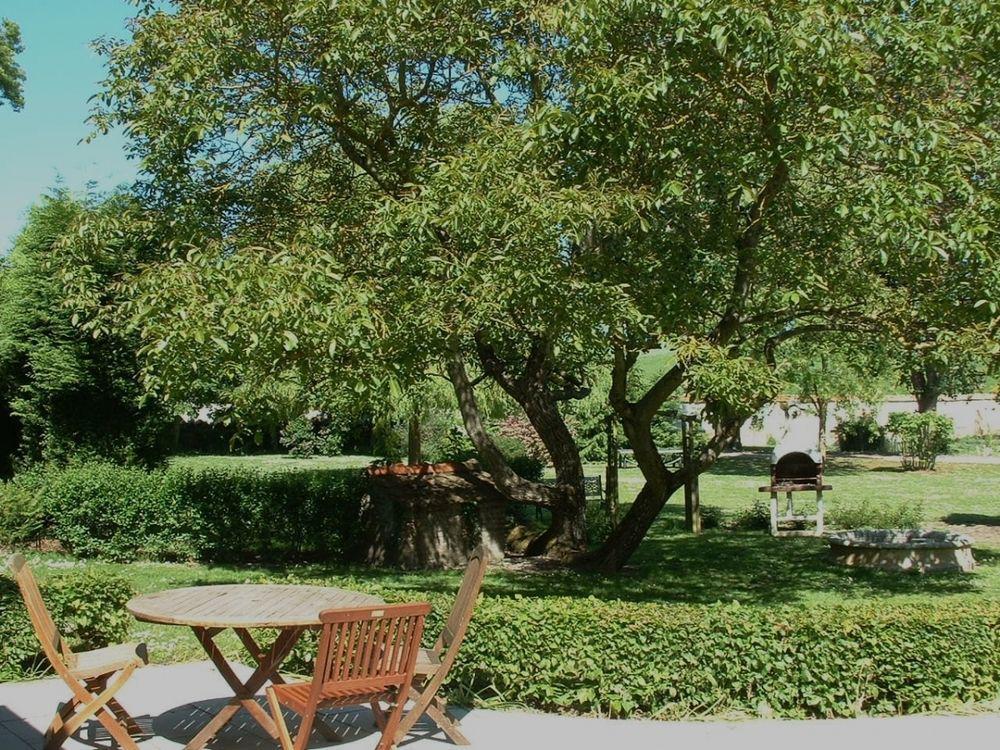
pixel 431 515
pixel 906 550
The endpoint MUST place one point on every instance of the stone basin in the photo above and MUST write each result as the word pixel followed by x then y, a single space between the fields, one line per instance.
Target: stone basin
pixel 902 549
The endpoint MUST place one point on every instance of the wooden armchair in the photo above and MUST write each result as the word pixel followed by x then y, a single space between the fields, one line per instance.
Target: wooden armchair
pixel 433 664
pixel 365 655
pixel 87 673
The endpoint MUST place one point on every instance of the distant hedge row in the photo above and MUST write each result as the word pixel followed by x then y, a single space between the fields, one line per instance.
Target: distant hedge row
pixel 121 513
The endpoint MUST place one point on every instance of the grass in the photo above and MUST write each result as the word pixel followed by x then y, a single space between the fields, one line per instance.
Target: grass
pixel 671 565
pixel 952 489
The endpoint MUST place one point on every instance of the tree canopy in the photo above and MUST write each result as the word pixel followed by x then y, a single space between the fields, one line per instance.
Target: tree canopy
pixel 353 194
pixel 69 393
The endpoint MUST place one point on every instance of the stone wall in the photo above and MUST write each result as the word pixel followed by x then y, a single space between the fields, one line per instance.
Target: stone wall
pixel 432 519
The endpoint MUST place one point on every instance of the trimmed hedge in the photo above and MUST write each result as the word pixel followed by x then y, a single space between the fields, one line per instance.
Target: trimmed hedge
pixel 121 513
pixel 621 659
pixel 89 608
pixel 675 661
pixel 628 659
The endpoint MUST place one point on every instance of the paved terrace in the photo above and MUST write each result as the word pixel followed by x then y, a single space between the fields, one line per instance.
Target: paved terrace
pixel 174 702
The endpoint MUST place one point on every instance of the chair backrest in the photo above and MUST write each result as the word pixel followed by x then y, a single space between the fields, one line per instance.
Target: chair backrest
pixel 369 648
pixel 461 613
pixel 53 646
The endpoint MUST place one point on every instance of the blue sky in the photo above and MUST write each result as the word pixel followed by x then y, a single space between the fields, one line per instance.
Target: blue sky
pixel 39 145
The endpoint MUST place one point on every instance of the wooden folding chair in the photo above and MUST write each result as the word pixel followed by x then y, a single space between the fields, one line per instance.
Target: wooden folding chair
pixel 86 673
pixel 365 655
pixel 433 664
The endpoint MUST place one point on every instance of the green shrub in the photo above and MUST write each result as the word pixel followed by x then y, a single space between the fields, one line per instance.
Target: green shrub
pixel 118 513
pixel 304 437
pixel 922 437
pixel 755 518
pixel 712 516
pixel 860 432
pixel 672 661
pixel 21 515
pixel 676 661
pixel 87 606
pixel 868 515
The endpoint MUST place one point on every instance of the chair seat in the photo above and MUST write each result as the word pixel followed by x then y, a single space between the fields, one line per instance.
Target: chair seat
pixel 103 661
pixel 428 662
pixel 295 695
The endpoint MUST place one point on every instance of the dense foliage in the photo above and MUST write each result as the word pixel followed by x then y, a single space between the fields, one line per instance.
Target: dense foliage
pixel 11 75
pixel 121 513
pixel 88 607
pixel 922 437
pixel 358 193
pixel 69 393
pixel 674 661
pixel 865 514
pixel 860 432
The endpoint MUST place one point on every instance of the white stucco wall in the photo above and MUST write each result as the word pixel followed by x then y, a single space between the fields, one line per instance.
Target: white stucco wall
pixel 787 421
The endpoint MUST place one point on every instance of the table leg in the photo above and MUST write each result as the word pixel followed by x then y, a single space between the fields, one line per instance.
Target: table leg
pixel 259 654
pixel 267 669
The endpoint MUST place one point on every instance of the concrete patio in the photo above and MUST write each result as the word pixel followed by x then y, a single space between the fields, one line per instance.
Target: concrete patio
pixel 174 702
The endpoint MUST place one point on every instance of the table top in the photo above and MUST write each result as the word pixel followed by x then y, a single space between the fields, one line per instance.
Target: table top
pixel 246 605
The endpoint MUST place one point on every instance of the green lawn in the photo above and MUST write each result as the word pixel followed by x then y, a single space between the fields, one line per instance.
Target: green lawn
pixel 671 565
pixel 959 493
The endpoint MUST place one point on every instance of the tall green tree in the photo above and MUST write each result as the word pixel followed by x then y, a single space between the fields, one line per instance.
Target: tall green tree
pixel 284 145
pixel 521 190
pixel 782 184
pixel 11 74
pixel 69 394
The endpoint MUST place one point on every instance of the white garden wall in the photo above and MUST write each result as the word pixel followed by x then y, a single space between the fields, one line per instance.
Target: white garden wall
pixel 787 421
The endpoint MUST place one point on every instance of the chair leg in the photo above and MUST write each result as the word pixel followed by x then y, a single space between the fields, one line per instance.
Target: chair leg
pixel 279 719
pixel 124 717
pixel 428 703
pixel 91 700
pixel 448 725
pixel 54 730
pixel 378 714
pixel 389 737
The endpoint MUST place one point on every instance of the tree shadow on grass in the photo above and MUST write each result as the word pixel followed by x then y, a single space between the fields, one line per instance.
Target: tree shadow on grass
pixel 971 519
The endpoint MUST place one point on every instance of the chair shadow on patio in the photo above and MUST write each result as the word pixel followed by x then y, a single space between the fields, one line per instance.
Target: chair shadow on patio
pixel 179 725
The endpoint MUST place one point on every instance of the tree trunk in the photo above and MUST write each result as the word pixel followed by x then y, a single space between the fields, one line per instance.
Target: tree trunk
pixel 822 412
pixel 626 537
pixel 414 453
pixel 567 533
pixel 611 472
pixel 926 387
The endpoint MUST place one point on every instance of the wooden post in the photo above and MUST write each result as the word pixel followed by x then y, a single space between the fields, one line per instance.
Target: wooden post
pixel 414 451
pixel 692 500
pixel 611 471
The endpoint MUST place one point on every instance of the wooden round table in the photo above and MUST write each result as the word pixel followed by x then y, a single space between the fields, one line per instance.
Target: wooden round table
pixel 209 610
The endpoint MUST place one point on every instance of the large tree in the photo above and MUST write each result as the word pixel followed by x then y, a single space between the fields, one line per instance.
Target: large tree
pixel 282 146
pixel 69 394
pixel 792 155
pixel 360 191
